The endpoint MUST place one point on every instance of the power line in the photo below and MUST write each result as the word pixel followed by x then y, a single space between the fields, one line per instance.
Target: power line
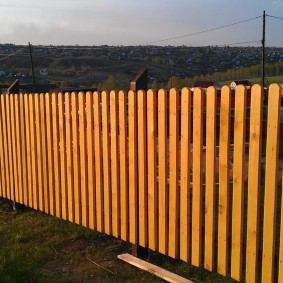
pixel 278 18
pixel 200 32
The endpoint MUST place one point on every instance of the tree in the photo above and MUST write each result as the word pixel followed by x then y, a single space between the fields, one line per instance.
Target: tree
pixel 109 84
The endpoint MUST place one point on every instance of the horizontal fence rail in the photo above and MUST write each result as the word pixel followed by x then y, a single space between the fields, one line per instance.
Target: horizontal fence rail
pixel 186 173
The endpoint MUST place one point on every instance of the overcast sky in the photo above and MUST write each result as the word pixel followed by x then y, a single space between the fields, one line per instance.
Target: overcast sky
pixel 132 22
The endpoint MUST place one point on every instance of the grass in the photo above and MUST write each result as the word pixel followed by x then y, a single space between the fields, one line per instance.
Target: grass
pixel 35 247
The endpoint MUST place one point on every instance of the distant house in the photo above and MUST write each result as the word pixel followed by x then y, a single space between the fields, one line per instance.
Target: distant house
pixel 40 88
pixel 206 84
pixel 240 82
pixel 43 72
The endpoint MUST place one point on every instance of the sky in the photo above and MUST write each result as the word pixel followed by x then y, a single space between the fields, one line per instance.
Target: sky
pixel 132 22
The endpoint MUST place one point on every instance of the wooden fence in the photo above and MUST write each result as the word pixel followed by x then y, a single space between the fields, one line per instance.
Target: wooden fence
pixel 135 166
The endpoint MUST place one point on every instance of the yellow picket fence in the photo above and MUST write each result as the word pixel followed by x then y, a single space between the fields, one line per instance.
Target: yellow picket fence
pixel 152 169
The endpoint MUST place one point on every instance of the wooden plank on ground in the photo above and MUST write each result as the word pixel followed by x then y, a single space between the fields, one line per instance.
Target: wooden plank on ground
pixel 90 160
pixel 151 268
pixel 76 158
pixel 63 162
pixel 271 187
pixel 83 159
pixel 115 185
pixel 185 236
pixel 238 182
pixel 197 177
pixel 106 164
pixel 163 192
pixel 133 168
pixel 151 159
pixel 173 173
pixel 224 166
pixel 124 175
pixel 254 183
pixel 209 240
pixel 142 160
pixel 98 162
pixel 69 158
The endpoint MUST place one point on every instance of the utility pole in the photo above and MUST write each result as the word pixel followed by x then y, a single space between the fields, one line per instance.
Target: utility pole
pixel 32 68
pixel 263 49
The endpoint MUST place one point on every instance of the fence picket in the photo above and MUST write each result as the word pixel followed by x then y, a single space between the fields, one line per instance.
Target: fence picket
pixel 28 144
pixel 10 153
pixel 174 172
pixel 62 152
pixel 133 181
pixel 106 164
pixel 56 154
pixel 197 176
pixel 124 176
pixel 76 158
pixel 254 184
pixel 2 153
pixel 23 149
pixel 98 162
pixel 142 165
pixel 210 214
pixel 14 147
pixel 271 174
pixel 50 154
pixel 185 155
pixel 224 166
pixel 90 161
pixel 18 148
pixel 38 152
pixel 238 182
pixel 163 192
pixel 83 159
pixel 151 164
pixel 69 158
pixel 115 196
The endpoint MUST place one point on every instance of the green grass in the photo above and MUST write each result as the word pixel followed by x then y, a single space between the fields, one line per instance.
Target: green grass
pixel 35 247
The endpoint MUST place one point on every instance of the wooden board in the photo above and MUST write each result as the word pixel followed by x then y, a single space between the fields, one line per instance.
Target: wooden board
pixel 133 167
pixel 210 215
pixel 90 161
pixel 83 159
pixel 69 158
pixel 271 187
pixel 197 177
pixel 142 160
pixel 238 182
pixel 98 162
pixel 157 271
pixel 254 184
pixel 106 164
pixel 124 173
pixel 115 183
pixel 76 158
pixel 163 191
pixel 2 159
pixel 63 159
pixel 151 165
pixel 173 173
pixel 224 165
pixel 57 168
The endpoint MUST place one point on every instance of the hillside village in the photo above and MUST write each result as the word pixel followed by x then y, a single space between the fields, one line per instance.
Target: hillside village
pixel 89 66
